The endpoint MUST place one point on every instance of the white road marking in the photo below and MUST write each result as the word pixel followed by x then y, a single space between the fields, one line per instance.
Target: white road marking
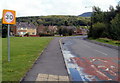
pixel 101 52
pixel 87 46
pixel 95 50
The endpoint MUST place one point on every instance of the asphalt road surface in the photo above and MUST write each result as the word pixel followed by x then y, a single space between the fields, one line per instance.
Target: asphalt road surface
pixel 50 62
pixel 88 61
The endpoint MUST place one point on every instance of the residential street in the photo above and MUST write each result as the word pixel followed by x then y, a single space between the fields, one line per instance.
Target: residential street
pixel 85 61
pixel 88 61
pixel 71 41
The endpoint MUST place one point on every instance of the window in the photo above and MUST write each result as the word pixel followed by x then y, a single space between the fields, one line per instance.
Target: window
pixel 24 33
pixel 33 33
pixel 21 33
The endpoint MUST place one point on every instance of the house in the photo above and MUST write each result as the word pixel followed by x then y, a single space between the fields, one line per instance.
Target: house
pixel 52 29
pixel 13 30
pixel 70 27
pixel 25 27
pixel 46 29
pixel 40 29
pixel 81 31
pixel 31 29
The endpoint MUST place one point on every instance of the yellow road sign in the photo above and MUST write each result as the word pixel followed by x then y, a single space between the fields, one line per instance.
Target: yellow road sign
pixel 9 17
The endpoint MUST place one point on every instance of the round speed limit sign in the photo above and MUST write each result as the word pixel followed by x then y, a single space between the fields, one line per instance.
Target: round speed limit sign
pixel 8 17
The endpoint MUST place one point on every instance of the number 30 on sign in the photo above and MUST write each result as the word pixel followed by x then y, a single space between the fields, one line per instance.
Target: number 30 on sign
pixel 9 17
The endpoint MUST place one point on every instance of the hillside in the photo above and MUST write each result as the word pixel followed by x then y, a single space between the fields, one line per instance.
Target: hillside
pixel 86 14
pixel 58 20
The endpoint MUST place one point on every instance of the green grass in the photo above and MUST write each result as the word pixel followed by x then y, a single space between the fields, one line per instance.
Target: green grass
pixel 0 59
pixel 107 41
pixel 24 51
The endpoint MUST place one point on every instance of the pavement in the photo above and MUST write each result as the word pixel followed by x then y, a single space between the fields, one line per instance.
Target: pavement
pixel 49 77
pixel 50 62
pixel 87 61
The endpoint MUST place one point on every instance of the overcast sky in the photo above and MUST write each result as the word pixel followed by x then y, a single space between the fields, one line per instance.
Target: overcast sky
pixel 53 7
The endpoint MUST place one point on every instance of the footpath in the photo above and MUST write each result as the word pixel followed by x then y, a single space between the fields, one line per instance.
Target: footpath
pixel 50 63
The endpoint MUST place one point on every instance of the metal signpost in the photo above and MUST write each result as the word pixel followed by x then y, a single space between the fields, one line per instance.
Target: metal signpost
pixel 8 42
pixel 8 18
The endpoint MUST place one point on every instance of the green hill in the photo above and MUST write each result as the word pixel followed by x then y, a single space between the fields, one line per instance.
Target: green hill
pixel 57 20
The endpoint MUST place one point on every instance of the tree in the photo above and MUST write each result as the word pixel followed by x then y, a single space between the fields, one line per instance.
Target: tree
pixel 115 28
pixel 65 31
pixel 118 8
pixel 97 15
pixel 4 30
pixel 66 23
pixel 60 31
pixel 105 24
pixel 98 29
pixel 119 3
pixel 55 20
pixel 70 32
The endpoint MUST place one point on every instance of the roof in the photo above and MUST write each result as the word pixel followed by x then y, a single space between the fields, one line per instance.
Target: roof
pixel 25 25
pixel 69 27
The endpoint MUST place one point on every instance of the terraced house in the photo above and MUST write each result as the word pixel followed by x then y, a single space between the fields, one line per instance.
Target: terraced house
pixel 46 29
pixel 25 27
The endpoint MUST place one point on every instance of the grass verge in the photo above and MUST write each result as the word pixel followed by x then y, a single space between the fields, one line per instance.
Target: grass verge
pixel 0 59
pixel 107 41
pixel 24 51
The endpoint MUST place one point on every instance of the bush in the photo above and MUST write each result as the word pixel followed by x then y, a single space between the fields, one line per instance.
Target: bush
pixel 45 34
pixel 70 32
pixel 60 31
pixel 4 30
pixel 97 30
pixel 16 35
pixel 65 31
pixel 4 33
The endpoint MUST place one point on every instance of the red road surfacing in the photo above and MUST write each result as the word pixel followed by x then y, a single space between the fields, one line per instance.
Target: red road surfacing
pixel 103 68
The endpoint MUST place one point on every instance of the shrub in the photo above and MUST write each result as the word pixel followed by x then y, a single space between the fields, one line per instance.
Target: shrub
pixel 70 32
pixel 16 35
pixel 45 34
pixel 98 29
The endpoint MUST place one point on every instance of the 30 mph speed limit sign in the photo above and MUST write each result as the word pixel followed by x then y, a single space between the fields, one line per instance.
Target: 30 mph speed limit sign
pixel 9 17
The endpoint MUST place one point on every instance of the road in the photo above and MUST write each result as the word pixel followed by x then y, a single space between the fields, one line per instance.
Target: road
pixel 88 61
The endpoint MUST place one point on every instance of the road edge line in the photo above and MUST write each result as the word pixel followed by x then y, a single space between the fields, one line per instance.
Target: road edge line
pixel 69 75
pixel 103 44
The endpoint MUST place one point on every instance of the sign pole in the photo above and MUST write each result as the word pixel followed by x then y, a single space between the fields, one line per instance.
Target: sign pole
pixel 8 42
pixel 8 17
